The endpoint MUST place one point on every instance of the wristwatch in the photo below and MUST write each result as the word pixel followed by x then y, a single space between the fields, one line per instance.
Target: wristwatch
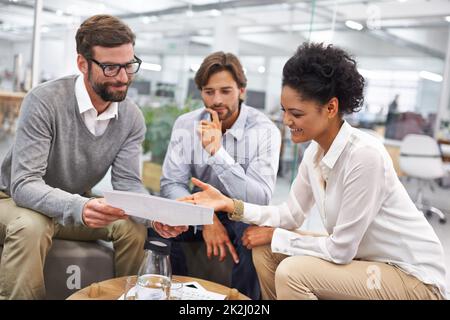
pixel 238 211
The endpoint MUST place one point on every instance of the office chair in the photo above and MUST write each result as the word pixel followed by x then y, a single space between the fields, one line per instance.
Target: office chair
pixel 420 158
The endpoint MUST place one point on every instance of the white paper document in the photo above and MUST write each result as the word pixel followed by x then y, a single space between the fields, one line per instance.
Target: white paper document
pixel 189 294
pixel 170 212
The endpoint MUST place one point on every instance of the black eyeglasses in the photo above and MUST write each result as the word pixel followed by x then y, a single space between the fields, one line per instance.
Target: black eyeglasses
pixel 112 70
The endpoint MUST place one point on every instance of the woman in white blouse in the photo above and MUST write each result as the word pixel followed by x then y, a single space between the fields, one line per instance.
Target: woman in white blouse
pixel 379 245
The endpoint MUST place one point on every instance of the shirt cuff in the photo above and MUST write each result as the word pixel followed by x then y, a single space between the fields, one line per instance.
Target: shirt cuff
pixel 252 213
pixel 221 160
pixel 281 241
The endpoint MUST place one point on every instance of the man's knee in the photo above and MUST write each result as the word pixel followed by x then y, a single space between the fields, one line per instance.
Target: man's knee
pixel 130 230
pixel 30 227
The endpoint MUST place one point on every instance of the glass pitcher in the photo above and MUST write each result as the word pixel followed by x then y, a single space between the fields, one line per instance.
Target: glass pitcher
pixel 154 276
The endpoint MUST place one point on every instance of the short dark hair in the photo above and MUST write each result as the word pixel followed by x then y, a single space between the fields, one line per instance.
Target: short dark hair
pixel 318 72
pixel 220 61
pixel 102 30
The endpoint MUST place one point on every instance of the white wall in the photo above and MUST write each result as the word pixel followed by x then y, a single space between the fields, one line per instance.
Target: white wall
pixel 57 56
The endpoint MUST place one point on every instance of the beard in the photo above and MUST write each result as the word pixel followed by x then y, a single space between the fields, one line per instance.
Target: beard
pixel 222 115
pixel 105 92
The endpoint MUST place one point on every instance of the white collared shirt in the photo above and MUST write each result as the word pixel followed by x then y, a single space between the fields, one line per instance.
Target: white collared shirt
pixel 363 205
pixel 95 123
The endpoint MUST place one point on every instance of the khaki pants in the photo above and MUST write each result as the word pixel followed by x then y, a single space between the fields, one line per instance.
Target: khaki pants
pixel 308 278
pixel 27 237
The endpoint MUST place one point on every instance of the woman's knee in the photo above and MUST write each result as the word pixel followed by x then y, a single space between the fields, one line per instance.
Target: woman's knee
pixel 294 275
pixel 298 267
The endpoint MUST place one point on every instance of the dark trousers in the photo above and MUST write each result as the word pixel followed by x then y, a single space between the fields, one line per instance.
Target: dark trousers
pixel 243 275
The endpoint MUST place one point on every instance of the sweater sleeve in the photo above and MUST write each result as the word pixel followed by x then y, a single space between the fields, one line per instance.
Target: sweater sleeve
pixel 29 165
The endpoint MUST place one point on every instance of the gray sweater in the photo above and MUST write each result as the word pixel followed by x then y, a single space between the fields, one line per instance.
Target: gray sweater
pixel 55 159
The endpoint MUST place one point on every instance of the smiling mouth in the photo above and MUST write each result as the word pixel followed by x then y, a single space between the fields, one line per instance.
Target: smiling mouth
pixel 296 130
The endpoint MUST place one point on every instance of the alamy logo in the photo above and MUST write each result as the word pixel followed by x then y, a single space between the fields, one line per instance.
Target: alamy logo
pixel 74 280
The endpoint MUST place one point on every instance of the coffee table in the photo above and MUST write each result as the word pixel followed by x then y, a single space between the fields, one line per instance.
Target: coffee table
pixel 112 289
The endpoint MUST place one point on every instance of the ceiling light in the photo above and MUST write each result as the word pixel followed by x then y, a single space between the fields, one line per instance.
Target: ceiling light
pixel 261 69
pixel 447 18
pixel 151 66
pixel 189 13
pixel 354 25
pixel 215 13
pixel 147 19
pixel 430 76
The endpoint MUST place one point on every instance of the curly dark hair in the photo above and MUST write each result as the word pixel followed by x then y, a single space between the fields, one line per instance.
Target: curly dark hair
pixel 318 72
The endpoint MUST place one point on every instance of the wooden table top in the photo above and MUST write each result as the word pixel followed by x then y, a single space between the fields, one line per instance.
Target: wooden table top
pixel 112 289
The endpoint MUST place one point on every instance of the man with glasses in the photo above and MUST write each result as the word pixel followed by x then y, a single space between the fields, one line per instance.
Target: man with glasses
pixel 70 131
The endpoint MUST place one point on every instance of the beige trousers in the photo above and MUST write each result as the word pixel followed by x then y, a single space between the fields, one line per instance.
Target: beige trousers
pixel 27 237
pixel 308 278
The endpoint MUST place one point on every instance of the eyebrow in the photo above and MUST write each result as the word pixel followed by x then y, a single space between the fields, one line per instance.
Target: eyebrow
pixel 112 63
pixel 221 88
pixel 292 109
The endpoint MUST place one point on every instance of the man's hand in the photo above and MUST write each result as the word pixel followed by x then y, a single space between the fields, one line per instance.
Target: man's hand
pixel 167 231
pixel 255 236
pixel 211 133
pixel 217 240
pixel 98 214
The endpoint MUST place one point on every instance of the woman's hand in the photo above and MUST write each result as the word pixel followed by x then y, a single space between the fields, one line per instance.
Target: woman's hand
pixel 209 197
pixel 255 236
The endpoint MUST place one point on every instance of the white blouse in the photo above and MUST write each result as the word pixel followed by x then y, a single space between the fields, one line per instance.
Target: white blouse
pixel 364 207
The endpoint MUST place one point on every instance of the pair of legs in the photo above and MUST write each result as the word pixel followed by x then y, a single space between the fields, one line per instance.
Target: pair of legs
pixel 27 237
pixel 308 278
pixel 243 275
